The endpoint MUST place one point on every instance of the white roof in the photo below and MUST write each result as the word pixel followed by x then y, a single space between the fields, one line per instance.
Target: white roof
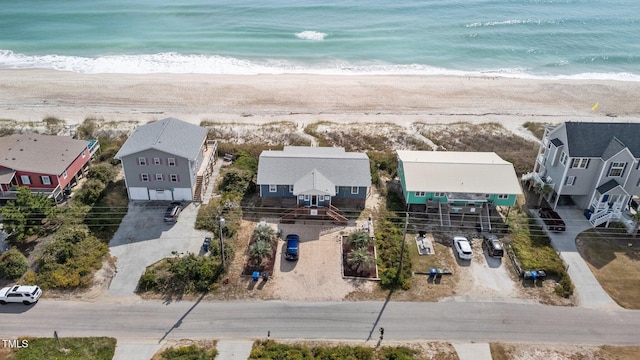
pixel 458 172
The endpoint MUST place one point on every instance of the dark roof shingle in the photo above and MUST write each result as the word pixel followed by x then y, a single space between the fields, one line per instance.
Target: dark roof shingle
pixel 591 139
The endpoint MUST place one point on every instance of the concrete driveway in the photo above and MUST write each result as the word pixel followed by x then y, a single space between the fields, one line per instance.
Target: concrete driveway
pixel 144 238
pixel 588 290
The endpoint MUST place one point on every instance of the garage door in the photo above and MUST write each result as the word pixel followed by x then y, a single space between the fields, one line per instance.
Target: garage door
pixel 138 193
pixel 182 194
pixel 160 195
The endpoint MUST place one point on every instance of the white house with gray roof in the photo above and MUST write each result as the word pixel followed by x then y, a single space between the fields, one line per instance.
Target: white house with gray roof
pixel 594 166
pixel 314 177
pixel 167 160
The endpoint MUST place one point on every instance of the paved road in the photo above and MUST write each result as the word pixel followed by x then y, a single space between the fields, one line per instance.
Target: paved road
pixel 135 320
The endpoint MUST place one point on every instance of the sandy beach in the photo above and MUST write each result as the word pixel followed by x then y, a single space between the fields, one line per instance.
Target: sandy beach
pixel 31 95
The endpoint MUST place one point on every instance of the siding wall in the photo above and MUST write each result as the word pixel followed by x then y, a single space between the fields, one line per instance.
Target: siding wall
pixel 133 171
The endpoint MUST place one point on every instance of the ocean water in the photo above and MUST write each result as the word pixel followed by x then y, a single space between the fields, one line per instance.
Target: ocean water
pixel 592 39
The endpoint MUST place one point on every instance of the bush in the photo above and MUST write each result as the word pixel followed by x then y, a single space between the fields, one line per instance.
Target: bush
pixel 190 352
pixel 13 264
pixel 186 274
pixel 103 172
pixel 69 261
pixel 90 192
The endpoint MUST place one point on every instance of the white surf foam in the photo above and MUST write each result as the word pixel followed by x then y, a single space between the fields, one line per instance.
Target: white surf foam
pixel 311 35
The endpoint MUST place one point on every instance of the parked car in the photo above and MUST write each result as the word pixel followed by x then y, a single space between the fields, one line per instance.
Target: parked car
pixel 293 244
pixel 172 213
pixel 463 247
pixel 493 245
pixel 26 294
pixel 552 219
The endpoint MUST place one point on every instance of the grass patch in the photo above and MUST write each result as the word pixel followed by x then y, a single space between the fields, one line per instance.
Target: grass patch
pixel 532 247
pixel 93 348
pixel 491 137
pixel 269 349
pixel 614 263
pixel 276 133
pixel 364 136
pixel 107 213
pixel 189 352
pixel 536 128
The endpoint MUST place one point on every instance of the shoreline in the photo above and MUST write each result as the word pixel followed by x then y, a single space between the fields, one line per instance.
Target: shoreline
pixel 32 95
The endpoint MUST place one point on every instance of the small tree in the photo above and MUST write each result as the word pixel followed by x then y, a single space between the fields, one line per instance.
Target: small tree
pixel 542 191
pixel 359 239
pixel 263 233
pixel 258 251
pixel 25 215
pixel 13 264
pixel 360 260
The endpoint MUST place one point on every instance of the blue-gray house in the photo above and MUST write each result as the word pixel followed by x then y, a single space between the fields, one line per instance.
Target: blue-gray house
pixel 314 177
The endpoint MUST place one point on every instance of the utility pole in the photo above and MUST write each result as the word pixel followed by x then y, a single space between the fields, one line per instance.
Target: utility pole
pixel 404 236
pixel 220 225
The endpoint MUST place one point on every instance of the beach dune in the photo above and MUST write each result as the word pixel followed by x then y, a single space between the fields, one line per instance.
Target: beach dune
pixel 32 95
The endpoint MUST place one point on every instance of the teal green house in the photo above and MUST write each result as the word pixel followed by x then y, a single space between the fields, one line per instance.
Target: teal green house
pixel 457 182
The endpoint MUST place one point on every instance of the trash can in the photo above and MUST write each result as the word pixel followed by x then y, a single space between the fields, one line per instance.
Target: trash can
pixel 433 272
pixel 256 275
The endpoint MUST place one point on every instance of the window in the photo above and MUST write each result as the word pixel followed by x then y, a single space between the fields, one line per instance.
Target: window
pixel 291 188
pixel 570 180
pixel 616 169
pixel 171 161
pixel 503 196
pixel 173 177
pixel 327 198
pixel 273 188
pixel 487 195
pixel 438 194
pixel 84 154
pixel 156 161
pixel 306 198
pixel 579 163
pixel 159 177
pixel 25 180
pixel 144 177
pixel 355 190
pixel 45 180
pixel 142 161
pixel 563 158
pixel 420 194
pixel 64 174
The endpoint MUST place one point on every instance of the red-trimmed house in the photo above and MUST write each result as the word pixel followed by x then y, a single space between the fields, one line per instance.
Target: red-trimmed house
pixel 47 164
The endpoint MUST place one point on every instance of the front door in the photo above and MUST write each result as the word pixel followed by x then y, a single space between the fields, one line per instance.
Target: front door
pixel 314 200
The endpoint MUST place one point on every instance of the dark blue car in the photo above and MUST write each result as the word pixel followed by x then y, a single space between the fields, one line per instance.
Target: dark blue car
pixel 293 244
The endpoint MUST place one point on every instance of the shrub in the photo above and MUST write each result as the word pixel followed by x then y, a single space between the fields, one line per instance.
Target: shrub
pixel 184 274
pixel 189 352
pixel 104 172
pixel 13 264
pixel 68 262
pixel 90 192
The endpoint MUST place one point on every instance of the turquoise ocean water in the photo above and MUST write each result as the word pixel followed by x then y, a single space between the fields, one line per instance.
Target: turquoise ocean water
pixel 593 39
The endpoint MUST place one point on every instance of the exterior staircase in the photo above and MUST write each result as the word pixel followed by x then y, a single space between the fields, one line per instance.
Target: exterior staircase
pixel 331 214
pixel 601 217
pixel 197 193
